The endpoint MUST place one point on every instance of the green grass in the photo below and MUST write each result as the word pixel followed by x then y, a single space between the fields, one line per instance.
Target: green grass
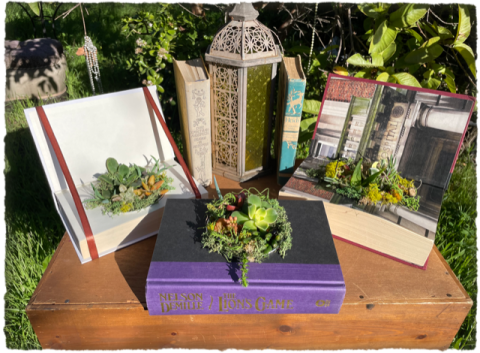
pixel 456 239
pixel 34 228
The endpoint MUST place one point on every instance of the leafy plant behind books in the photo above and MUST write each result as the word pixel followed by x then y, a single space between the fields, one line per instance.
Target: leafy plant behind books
pixel 247 227
pixel 403 46
pixel 122 189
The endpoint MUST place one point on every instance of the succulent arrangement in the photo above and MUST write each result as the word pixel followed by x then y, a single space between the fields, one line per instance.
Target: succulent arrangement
pixel 123 189
pixel 247 227
pixel 369 183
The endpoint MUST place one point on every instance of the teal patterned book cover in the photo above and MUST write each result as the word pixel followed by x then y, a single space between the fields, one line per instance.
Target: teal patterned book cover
pixel 292 91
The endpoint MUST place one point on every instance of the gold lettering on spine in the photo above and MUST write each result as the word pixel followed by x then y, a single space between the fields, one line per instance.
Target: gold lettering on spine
pixel 263 304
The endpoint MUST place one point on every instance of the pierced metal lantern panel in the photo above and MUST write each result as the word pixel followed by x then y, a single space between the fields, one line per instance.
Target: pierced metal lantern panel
pixel 243 41
pixel 243 62
pixel 225 116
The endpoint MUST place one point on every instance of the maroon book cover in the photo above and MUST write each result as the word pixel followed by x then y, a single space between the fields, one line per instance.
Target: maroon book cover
pixel 420 129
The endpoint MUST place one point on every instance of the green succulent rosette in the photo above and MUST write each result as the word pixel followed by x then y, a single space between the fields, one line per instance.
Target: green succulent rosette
pixel 129 188
pixel 247 226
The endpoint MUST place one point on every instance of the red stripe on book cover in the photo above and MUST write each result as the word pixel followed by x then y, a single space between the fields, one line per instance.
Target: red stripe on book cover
pixel 92 247
pixel 424 267
pixel 151 102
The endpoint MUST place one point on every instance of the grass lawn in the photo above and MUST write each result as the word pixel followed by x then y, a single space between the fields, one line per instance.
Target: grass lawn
pixel 34 228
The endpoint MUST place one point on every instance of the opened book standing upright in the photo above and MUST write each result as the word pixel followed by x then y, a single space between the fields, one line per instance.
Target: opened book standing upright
pixel 123 125
pixel 418 131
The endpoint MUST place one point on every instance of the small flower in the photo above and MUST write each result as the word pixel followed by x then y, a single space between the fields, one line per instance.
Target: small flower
pixel 126 207
pixel 149 83
pixel 141 43
pixel 144 82
pixel 150 24
pixel 249 248
pixel 251 258
pixel 138 50
pixel 161 53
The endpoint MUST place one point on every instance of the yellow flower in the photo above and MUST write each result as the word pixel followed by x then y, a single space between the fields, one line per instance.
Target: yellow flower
pixel 334 169
pixel 126 207
pixel 374 194
pixel 389 198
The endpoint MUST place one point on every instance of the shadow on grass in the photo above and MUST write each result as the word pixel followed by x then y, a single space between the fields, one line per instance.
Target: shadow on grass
pixel 28 200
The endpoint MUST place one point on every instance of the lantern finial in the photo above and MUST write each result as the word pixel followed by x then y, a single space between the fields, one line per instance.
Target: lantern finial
pixel 244 12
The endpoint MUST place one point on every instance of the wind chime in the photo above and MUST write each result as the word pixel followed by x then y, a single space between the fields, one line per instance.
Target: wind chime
pixel 90 53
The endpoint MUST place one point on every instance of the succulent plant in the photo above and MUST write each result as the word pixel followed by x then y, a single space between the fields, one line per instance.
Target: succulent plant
pixel 257 214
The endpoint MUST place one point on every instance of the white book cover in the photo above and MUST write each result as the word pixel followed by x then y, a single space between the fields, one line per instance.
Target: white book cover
pixel 90 130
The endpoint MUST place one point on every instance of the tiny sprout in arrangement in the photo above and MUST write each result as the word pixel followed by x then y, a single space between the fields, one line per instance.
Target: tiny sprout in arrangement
pixel 123 189
pixel 248 227
pixel 377 183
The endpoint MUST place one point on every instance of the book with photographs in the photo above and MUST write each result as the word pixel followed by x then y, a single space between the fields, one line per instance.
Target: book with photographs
pixel 382 155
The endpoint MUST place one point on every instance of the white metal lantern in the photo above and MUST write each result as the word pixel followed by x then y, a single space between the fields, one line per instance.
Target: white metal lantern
pixel 243 61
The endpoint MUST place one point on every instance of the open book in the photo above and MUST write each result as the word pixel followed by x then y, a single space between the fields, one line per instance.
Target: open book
pixel 419 131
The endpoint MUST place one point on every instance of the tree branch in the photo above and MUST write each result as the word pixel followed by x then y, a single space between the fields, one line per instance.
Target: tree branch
pixel 183 7
pixel 342 38
pixel 438 18
pixel 423 34
pixel 351 32
pixel 465 71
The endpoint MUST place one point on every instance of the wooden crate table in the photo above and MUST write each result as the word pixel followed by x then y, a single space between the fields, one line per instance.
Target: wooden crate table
pixel 101 305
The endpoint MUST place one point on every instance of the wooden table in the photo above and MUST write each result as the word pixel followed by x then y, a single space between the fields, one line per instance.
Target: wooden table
pixel 101 305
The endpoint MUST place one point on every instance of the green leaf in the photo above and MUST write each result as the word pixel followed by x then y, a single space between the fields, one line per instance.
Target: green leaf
pixel 260 214
pixel 365 73
pixel 105 179
pixel 428 51
pixel 464 27
pixel 372 177
pixel 304 136
pixel 311 106
pixel 35 7
pixel 406 79
pixel 467 53
pixel 414 33
pixel 112 165
pixel 251 211
pixel 271 216
pixel 444 33
pixel 358 60
pixel 388 52
pixel 374 10
pixel 266 205
pixel 308 124
pixel 241 217
pixel 250 225
pixel 254 200
pixel 431 83
pixel 408 15
pixel 123 170
pixel 384 36
pixel 262 225
pixel 357 173
pixel 383 77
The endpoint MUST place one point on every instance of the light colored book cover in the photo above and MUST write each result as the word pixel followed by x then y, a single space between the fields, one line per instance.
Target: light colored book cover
pixel 193 92
pixel 418 131
pixel 90 130
pixel 291 96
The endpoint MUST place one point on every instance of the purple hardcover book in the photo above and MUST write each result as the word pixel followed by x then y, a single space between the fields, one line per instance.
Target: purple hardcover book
pixel 185 279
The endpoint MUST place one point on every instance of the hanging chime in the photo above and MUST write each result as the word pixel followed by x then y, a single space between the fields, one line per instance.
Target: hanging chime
pixel 90 52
